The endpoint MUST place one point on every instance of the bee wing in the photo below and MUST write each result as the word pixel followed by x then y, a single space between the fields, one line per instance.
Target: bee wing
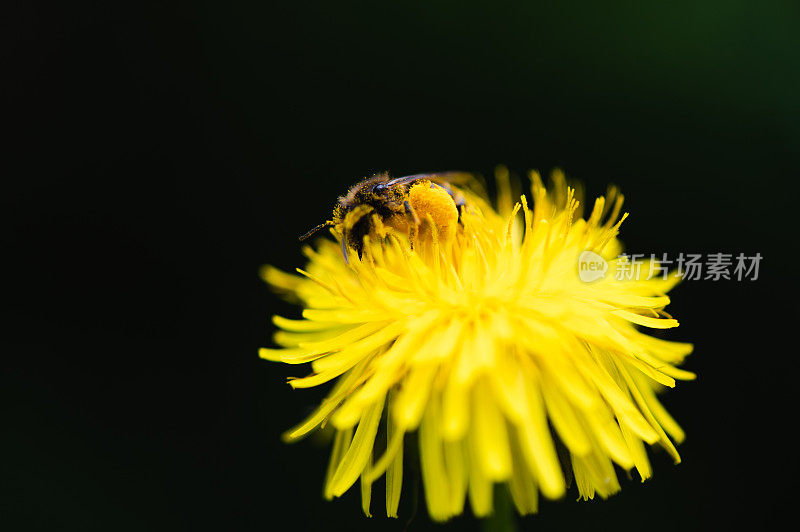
pixel 448 177
pixel 405 179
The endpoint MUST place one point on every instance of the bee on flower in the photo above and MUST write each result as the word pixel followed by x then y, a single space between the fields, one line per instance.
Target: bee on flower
pixel 464 328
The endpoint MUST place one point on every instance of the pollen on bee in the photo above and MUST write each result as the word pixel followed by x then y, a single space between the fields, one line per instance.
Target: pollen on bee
pixel 436 202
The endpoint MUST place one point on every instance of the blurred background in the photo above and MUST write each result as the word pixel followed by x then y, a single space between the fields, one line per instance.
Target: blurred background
pixel 159 153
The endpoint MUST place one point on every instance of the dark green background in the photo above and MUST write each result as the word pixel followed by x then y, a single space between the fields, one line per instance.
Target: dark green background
pixel 159 153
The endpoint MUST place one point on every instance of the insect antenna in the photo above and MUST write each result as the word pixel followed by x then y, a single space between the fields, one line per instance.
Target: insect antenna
pixel 315 230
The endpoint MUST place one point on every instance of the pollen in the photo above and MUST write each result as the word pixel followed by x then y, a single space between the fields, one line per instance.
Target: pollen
pixel 480 344
pixel 432 202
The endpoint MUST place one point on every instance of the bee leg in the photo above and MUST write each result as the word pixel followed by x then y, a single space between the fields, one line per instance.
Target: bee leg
pixel 413 220
pixel 412 216
pixel 344 251
pixel 313 231
pixel 461 205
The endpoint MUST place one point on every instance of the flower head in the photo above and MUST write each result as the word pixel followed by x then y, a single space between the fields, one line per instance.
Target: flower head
pixel 488 346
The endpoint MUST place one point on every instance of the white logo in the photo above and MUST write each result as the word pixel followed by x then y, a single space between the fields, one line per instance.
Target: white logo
pixel 591 266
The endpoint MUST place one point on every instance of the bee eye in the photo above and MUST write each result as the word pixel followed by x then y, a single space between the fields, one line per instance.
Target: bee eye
pixel 380 187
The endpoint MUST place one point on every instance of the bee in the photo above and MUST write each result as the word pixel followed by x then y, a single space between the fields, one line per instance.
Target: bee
pixel 402 203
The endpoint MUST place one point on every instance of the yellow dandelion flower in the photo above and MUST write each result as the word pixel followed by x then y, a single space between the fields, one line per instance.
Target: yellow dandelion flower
pixel 483 340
